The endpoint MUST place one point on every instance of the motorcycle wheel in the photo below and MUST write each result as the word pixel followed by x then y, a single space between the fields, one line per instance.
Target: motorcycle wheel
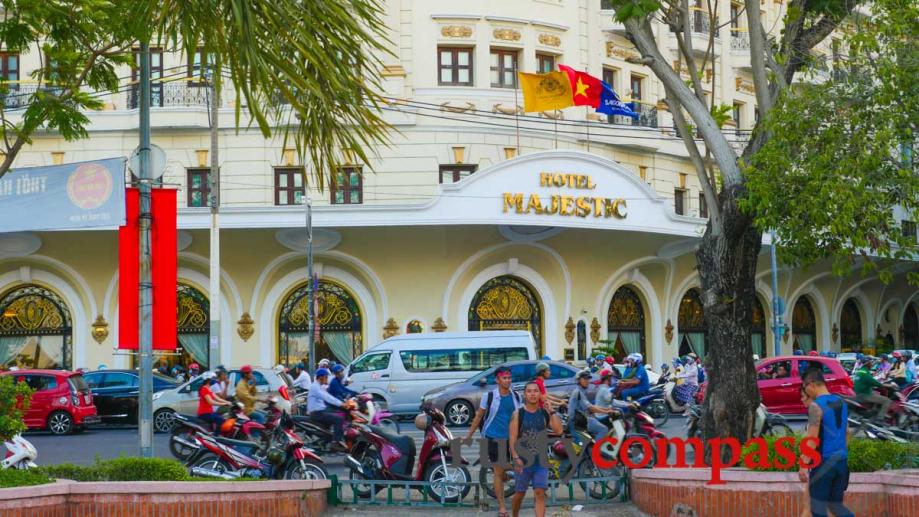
pixel 486 480
pixel 390 425
pixel 778 430
pixel 363 491
pixel 181 451
pixel 305 470
pixel 636 453
pixel 447 494
pixel 210 461
pixel 602 490
pixel 659 411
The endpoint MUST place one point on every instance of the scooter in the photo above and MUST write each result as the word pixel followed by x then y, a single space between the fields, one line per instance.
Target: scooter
pixel 282 456
pixel 380 455
pixel 20 454
pixel 368 411
pixel 764 423
pixel 652 402
pixel 182 443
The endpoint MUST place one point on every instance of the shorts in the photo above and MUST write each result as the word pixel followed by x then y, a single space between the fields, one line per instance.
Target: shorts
pixel 494 446
pixel 534 475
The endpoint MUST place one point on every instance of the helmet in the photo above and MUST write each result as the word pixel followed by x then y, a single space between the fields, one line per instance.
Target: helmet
pixel 541 367
pixel 322 372
pixel 756 357
pixel 246 369
pixel 601 357
pixel 101 367
pixel 798 352
pixel 676 361
pixel 638 357
pixel 324 363
pixel 590 361
pixel 194 366
pixel 546 358
pixel 558 448
pixel 665 368
pixel 337 368
pixel 813 353
pixel 583 374
pixel 422 421
pixel 208 375
pixel 275 456
pixel 609 359
pixel 860 356
pixel 691 354
pixel 278 368
pixel 897 355
pixel 300 366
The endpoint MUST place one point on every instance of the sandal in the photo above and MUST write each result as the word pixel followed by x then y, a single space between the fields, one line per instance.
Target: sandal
pixel 504 514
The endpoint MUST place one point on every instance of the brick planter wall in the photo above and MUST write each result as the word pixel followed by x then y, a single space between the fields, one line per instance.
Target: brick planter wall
pixel 167 499
pixel 683 492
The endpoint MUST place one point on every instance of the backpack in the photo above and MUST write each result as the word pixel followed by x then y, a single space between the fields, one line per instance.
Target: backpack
pixel 489 399
pixel 580 419
pixel 521 409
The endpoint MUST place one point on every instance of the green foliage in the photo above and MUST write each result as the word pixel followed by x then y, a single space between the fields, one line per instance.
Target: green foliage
pixel 14 400
pixel 10 478
pixel 121 469
pixel 833 166
pixel 721 114
pixel 638 9
pixel 865 455
pixel 305 71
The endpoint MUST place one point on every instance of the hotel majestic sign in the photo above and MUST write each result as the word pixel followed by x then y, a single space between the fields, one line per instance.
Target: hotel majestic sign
pixel 566 205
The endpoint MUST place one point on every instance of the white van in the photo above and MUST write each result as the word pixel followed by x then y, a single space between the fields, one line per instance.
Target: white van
pixel 403 368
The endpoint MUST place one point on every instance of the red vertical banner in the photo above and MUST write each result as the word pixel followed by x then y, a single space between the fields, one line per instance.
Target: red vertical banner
pixel 129 273
pixel 163 235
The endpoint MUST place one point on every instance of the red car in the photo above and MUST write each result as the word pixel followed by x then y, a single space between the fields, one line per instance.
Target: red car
pixel 779 381
pixel 61 403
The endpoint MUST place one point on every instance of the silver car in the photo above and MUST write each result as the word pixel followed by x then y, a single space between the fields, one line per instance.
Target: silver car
pixel 184 398
pixel 459 401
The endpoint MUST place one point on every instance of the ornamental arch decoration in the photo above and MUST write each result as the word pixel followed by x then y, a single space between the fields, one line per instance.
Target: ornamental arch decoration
pixel 850 326
pixel 691 322
pixel 339 325
pixel 625 320
pixel 804 325
pixel 36 329
pixel 507 303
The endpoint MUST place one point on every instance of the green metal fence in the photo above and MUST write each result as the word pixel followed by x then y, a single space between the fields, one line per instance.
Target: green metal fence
pixel 415 493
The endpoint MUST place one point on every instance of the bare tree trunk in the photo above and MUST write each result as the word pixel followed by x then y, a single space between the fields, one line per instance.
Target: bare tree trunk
pixel 727 269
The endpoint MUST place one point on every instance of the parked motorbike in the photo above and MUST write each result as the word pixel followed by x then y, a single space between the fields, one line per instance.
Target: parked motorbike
pixel 282 456
pixel 238 427
pixel 377 454
pixel 764 423
pixel 865 428
pixel 20 454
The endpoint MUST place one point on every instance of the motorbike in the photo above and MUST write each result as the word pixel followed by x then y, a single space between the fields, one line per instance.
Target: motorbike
pixel 669 385
pixel 239 427
pixel 282 456
pixel 865 428
pixel 652 402
pixel 903 413
pixel 368 411
pixel 377 454
pixel 20 454
pixel 764 423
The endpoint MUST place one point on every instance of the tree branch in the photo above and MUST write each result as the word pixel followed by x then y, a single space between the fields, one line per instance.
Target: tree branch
pixel 708 189
pixel 758 56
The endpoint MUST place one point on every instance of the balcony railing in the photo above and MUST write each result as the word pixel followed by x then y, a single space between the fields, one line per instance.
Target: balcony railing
pixel 647 116
pixel 171 95
pixel 702 23
pixel 740 39
pixel 20 95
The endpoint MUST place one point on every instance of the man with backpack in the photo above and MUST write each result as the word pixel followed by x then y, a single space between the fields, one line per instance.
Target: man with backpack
pixel 579 406
pixel 528 439
pixel 494 418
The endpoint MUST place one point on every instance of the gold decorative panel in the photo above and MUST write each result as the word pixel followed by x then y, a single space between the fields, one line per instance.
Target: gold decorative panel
pixel 503 303
pixel 191 310
pixel 456 31
pixel 613 50
pixel 31 313
pixel 550 40
pixel 690 315
pixel 506 34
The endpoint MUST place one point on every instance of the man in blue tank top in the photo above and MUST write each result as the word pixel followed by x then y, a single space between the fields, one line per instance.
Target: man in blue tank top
pixel 827 421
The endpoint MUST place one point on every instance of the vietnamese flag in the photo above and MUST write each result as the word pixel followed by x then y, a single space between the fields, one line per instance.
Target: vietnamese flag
pixel 585 88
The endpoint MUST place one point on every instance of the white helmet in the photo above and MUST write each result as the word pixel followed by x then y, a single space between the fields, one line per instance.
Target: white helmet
pixel 208 375
pixel 324 363
pixel 278 368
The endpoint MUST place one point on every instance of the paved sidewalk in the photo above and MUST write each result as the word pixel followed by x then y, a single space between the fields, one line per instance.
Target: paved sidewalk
pixel 598 510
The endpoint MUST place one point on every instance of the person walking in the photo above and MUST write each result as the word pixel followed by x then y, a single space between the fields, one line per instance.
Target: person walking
pixel 528 437
pixel 827 421
pixel 494 417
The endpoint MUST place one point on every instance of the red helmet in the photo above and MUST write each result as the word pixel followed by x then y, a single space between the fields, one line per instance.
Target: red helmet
pixel 194 366
pixel 813 352
pixel 609 359
pixel 246 369
pixel 897 355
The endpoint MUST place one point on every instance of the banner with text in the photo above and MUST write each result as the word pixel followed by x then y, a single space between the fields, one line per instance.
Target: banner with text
pixel 62 197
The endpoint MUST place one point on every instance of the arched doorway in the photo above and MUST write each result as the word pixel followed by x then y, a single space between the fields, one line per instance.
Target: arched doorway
pixel 35 329
pixel 850 326
pixel 692 324
pixel 193 332
pixel 804 325
pixel 338 318
pixel 625 322
pixel 911 327
pixel 507 303
pixel 758 329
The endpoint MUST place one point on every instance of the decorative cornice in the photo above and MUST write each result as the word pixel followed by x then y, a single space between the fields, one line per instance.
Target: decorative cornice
pixel 742 85
pixel 613 50
pixel 455 31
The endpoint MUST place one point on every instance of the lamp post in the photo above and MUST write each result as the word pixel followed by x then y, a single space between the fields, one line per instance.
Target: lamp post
pixel 145 390
pixel 778 306
pixel 213 355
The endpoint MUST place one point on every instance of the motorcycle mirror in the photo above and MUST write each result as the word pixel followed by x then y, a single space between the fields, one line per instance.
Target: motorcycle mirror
pixel 483 381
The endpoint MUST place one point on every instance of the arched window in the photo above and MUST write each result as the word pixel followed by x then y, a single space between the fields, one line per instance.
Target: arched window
pixel 338 324
pixel 625 322
pixel 507 303
pixel 850 326
pixel 758 329
pixel 692 324
pixel 804 325
pixel 35 329
pixel 911 327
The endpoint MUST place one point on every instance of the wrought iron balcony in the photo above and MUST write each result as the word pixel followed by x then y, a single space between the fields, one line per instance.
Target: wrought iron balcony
pixel 702 23
pixel 740 39
pixel 647 116
pixel 172 94
pixel 19 96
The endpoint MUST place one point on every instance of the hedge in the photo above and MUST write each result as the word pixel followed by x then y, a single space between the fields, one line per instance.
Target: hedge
pixel 865 455
pixel 121 469
pixel 10 478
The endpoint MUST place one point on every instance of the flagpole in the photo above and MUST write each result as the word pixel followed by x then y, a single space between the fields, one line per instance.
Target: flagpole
pixel 517 110
pixel 587 117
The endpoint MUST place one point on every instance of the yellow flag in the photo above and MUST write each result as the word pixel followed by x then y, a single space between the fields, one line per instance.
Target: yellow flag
pixel 545 92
